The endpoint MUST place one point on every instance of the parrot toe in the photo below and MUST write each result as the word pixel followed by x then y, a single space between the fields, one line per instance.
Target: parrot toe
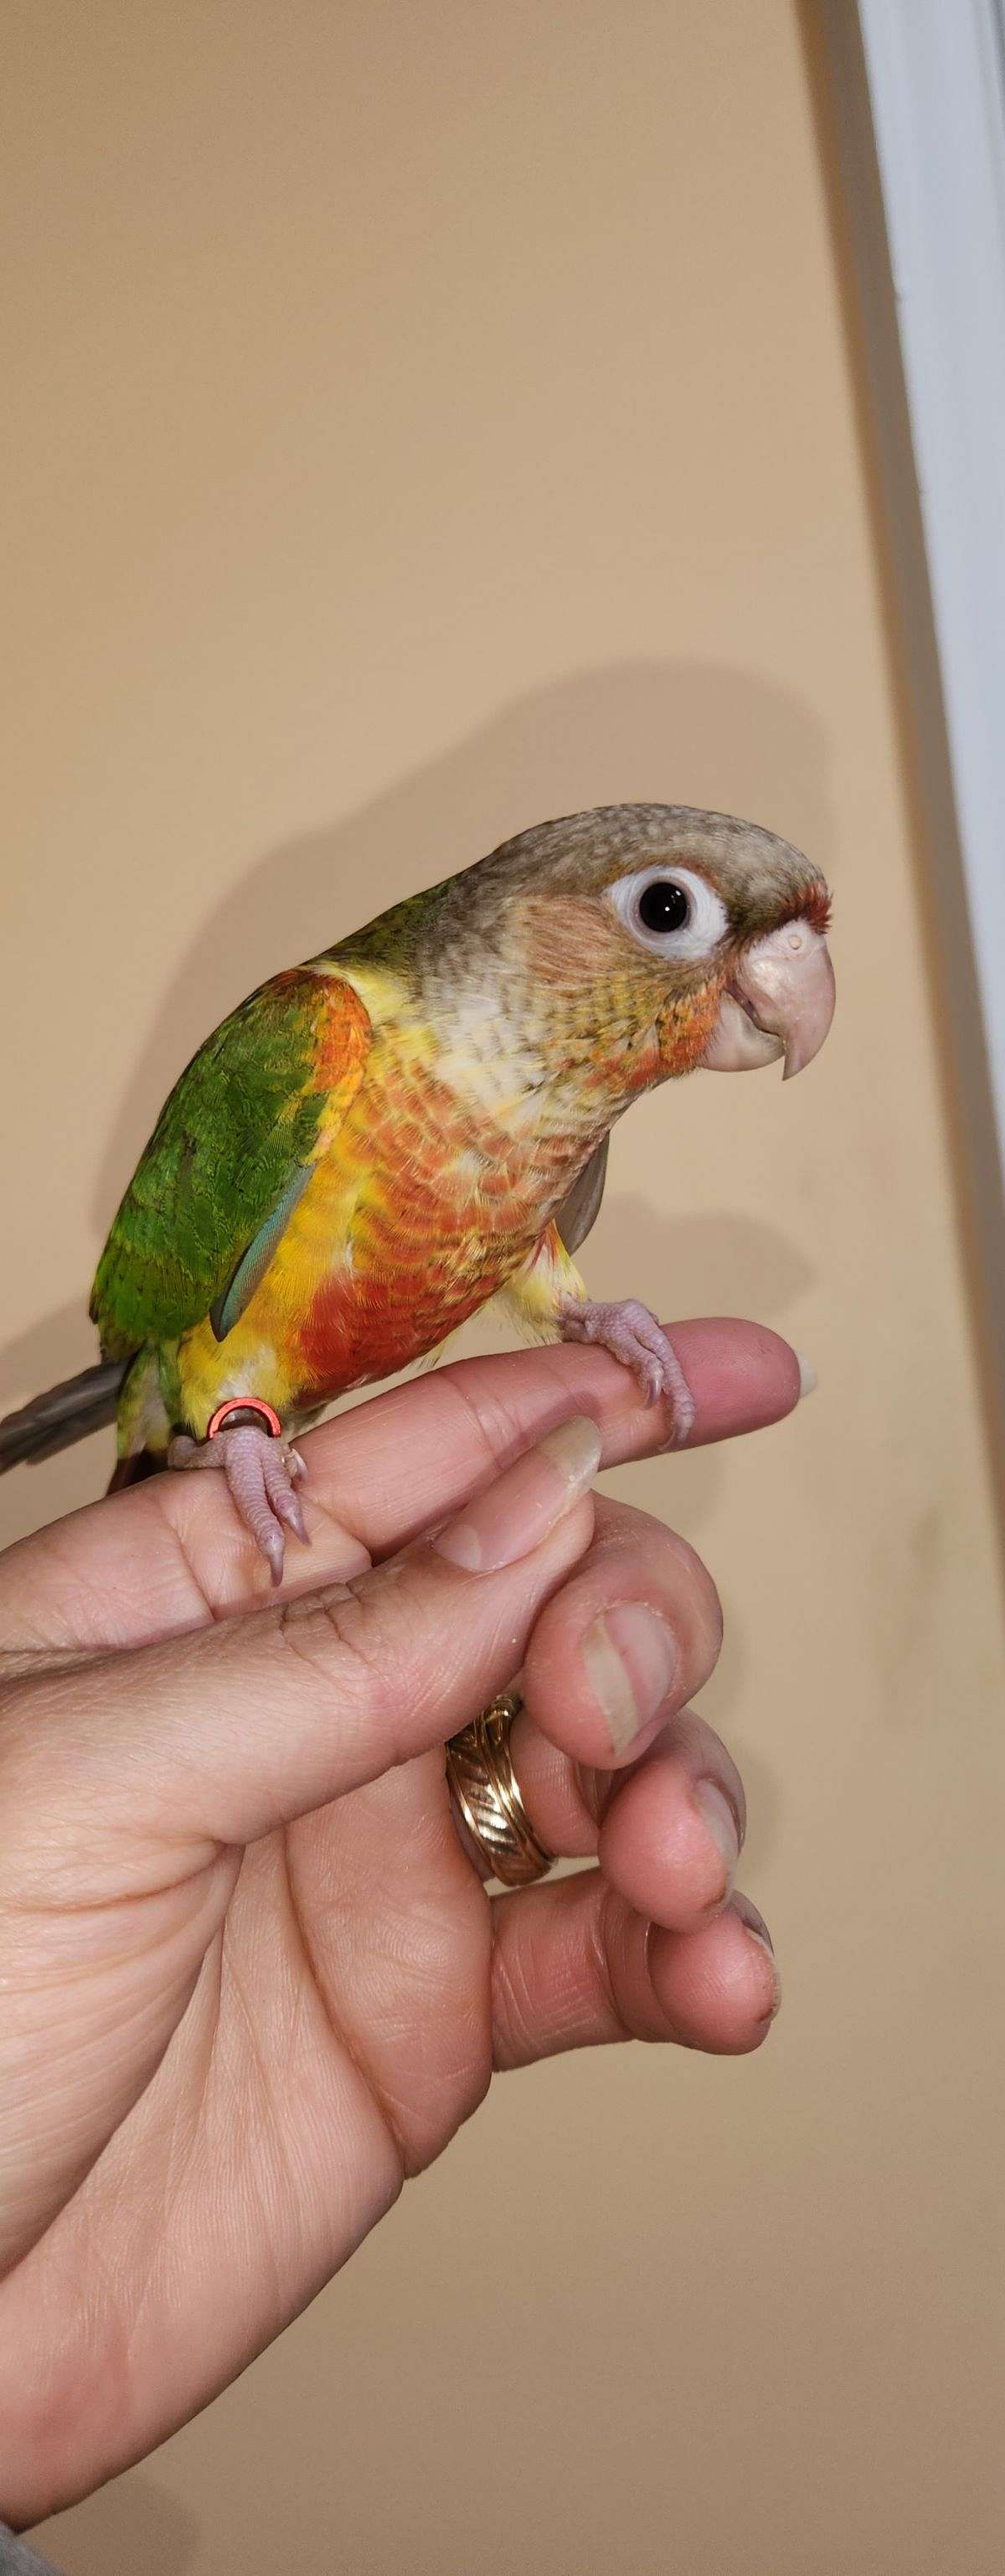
pixel 634 1336
pixel 262 1475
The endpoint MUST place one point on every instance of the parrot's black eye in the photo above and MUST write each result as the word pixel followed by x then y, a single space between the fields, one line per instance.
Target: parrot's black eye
pixel 679 919
pixel 664 906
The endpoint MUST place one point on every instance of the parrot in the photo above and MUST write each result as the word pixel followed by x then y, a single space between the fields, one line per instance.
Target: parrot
pixel 415 1121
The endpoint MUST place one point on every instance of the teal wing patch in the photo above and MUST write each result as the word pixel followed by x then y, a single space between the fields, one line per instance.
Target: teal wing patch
pixel 580 1207
pixel 227 1309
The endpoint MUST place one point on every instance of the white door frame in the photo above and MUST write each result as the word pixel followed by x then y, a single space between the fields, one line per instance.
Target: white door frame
pixel 936 73
pixel 915 103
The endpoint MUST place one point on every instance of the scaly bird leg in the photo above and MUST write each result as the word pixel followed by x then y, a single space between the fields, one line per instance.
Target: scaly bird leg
pixel 635 1337
pixel 548 1299
pixel 262 1470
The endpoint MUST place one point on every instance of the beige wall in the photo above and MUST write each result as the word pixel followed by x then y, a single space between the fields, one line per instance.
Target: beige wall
pixel 430 418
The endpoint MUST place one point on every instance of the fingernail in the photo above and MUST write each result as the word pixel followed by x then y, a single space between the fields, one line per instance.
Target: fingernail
pixel 526 1501
pixel 719 1821
pixel 631 1656
pixel 808 1378
pixel 753 1921
pixel 755 1925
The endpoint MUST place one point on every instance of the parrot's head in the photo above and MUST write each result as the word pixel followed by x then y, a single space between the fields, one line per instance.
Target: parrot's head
pixel 671 936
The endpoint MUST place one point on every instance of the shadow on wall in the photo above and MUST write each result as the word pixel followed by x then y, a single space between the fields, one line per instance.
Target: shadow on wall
pixel 666 731
pixel 131 2525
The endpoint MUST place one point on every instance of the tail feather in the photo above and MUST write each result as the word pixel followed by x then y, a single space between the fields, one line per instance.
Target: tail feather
pixel 64 1414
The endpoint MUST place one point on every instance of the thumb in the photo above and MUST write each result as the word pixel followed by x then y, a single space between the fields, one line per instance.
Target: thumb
pixel 222 1734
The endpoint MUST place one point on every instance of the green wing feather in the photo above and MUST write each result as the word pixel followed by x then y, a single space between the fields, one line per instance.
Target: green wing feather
pixel 257 1104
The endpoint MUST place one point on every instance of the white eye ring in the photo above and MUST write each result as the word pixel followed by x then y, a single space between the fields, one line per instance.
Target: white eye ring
pixel 706 923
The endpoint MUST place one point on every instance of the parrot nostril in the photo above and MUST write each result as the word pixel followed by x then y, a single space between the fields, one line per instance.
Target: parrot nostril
pixel 795 941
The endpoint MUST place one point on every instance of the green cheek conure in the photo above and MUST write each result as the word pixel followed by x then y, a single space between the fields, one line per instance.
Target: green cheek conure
pixel 417 1120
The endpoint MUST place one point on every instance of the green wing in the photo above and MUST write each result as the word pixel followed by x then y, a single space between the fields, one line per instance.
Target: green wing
pixel 227 1160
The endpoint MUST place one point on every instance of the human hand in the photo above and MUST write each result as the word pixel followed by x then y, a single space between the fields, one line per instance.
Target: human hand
pixel 251 1981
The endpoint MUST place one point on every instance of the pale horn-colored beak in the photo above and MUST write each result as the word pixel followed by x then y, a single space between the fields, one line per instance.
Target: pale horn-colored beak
pixel 779 1002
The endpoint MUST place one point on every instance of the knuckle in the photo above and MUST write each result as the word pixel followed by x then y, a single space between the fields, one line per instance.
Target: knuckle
pixel 20 1709
pixel 699 1593
pixel 497 1425
pixel 340 1635
pixel 513 2016
pixel 32 1699
pixel 639 1541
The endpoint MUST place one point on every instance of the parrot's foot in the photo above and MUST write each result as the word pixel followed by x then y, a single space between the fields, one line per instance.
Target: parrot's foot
pixel 634 1336
pixel 262 1475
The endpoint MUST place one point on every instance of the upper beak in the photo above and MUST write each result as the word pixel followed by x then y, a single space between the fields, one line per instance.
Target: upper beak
pixel 779 1002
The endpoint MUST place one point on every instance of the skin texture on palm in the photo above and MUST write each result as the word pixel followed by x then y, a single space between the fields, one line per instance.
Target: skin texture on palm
pixel 377 1143
pixel 263 2037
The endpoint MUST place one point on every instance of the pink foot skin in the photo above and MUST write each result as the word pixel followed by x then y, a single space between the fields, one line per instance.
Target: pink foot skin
pixel 262 1475
pixel 633 1335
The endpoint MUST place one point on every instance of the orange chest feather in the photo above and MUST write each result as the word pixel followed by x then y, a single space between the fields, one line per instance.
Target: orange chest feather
pixel 422 1208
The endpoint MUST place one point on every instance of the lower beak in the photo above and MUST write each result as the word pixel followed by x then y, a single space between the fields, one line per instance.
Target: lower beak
pixel 780 1002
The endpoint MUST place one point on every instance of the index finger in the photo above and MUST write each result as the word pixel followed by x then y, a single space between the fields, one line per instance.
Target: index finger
pixel 170 1555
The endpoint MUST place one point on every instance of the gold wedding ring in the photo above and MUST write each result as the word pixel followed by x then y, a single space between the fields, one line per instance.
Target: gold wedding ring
pixel 483 1786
